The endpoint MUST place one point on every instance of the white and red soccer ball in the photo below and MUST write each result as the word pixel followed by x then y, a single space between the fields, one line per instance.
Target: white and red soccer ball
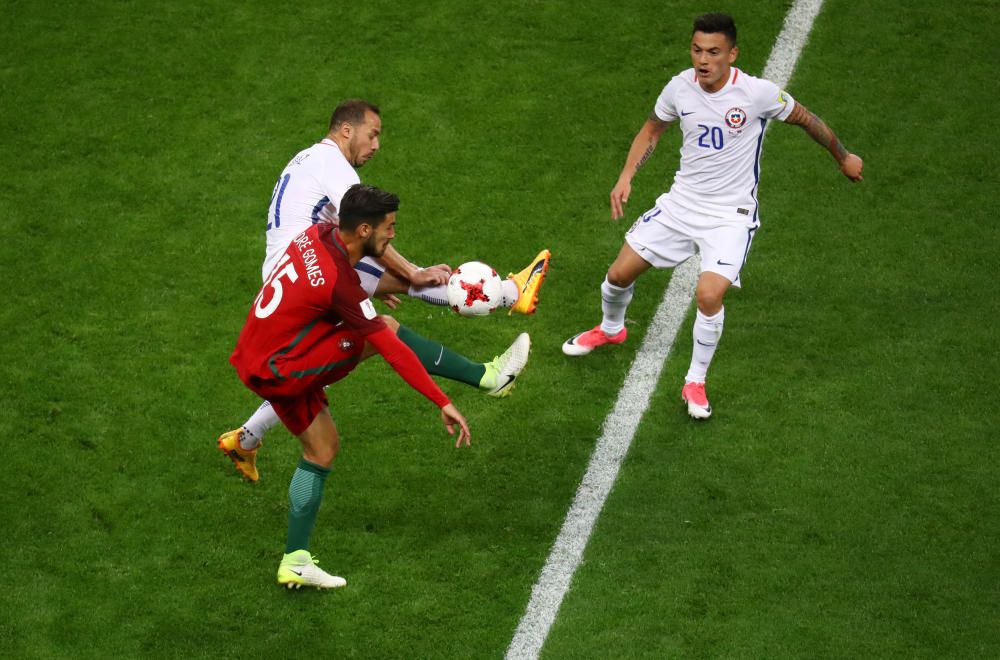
pixel 474 289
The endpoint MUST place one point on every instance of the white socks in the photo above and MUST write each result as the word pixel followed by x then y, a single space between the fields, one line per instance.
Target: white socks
pixel 261 421
pixel 707 332
pixel 438 295
pixel 435 295
pixel 614 302
pixel 511 292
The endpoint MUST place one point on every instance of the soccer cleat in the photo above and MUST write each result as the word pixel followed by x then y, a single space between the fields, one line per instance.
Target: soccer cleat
pixel 245 460
pixel 585 342
pixel 694 395
pixel 298 569
pixel 502 371
pixel 528 282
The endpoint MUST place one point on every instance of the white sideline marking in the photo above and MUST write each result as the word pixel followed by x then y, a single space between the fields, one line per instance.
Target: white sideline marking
pixel 633 399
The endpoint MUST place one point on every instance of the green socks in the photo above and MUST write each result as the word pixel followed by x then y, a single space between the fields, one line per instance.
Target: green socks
pixel 304 496
pixel 440 361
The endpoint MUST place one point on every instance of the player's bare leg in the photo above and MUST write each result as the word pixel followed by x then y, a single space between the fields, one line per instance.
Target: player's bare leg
pixel 707 332
pixel 616 294
pixel 320 444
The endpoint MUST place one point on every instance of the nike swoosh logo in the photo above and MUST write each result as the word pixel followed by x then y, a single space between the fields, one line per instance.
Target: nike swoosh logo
pixel 510 379
pixel 722 263
pixel 299 573
pixel 440 355
pixel 703 343
pixel 685 114
pixel 537 269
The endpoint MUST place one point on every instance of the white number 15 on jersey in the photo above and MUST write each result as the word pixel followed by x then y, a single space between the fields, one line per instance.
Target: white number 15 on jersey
pixel 283 268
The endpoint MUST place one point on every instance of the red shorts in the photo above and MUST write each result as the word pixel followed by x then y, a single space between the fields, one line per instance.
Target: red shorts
pixel 324 355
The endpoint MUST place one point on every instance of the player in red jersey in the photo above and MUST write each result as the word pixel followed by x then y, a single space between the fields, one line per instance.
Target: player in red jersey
pixel 309 326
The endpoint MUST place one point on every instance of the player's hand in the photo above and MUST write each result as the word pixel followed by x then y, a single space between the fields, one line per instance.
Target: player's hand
pixel 619 197
pixel 431 276
pixel 450 416
pixel 391 301
pixel 442 268
pixel 851 167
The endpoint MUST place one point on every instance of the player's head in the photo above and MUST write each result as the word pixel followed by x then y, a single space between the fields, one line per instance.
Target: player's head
pixel 355 126
pixel 370 214
pixel 713 49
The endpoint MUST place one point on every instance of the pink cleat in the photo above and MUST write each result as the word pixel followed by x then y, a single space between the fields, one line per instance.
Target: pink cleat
pixel 694 395
pixel 585 342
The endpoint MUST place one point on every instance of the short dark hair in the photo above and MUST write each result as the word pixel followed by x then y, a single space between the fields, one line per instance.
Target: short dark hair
pixel 363 203
pixel 714 23
pixel 351 112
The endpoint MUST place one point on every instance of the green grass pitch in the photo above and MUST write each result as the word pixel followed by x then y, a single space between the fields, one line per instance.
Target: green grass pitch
pixel 842 501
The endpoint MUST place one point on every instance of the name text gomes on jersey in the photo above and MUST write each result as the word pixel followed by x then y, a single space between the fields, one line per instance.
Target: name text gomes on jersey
pixel 309 259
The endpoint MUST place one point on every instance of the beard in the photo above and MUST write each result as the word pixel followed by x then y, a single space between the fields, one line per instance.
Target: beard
pixel 370 247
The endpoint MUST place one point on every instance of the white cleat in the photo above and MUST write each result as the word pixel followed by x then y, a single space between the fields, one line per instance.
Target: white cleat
pixel 298 569
pixel 502 372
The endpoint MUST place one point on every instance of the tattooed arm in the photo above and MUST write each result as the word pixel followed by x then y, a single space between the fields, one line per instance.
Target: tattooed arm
pixel 850 164
pixel 640 151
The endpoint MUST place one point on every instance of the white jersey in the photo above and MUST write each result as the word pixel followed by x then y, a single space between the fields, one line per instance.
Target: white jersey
pixel 722 135
pixel 308 191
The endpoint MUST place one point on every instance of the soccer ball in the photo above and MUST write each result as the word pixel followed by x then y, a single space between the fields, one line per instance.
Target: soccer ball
pixel 474 289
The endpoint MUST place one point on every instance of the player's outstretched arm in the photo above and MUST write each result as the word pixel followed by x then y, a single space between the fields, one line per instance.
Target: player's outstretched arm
pixel 817 129
pixel 642 148
pixel 409 271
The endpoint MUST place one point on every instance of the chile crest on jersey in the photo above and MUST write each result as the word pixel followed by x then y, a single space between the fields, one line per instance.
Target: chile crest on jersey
pixel 736 119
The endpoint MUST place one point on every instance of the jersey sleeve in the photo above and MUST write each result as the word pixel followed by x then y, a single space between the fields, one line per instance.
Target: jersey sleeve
pixel 666 104
pixel 774 102
pixel 403 360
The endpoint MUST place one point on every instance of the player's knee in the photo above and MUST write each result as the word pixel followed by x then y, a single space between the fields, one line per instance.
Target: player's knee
pixel 323 453
pixel 620 278
pixel 709 300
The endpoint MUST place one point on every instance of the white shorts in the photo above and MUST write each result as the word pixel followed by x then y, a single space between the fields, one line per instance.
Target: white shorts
pixel 666 238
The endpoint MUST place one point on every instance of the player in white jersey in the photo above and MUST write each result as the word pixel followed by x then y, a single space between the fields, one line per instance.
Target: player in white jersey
pixel 309 191
pixel 711 207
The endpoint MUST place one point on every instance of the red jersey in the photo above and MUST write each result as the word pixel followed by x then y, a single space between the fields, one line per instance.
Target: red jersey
pixel 312 280
pixel 307 328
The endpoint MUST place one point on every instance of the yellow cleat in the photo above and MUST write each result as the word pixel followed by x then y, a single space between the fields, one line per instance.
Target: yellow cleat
pixel 528 282
pixel 245 460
